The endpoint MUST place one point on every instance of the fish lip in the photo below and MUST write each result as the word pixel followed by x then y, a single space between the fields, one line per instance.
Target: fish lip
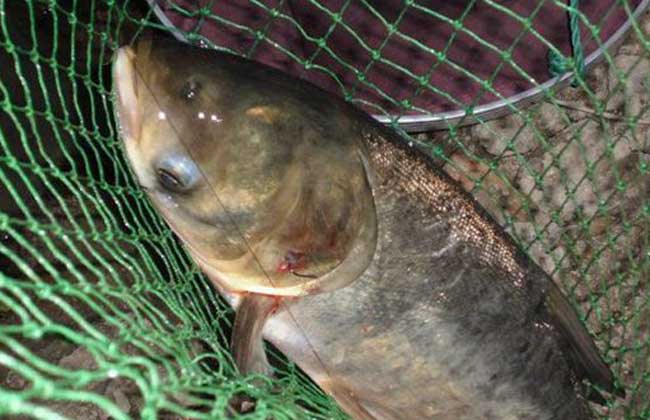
pixel 125 82
pixel 127 113
pixel 123 65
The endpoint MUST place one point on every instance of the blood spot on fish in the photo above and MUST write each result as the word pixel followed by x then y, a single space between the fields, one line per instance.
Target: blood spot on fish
pixel 293 260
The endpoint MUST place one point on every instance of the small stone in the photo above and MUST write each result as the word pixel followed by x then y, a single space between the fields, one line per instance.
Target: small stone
pixel 15 381
pixel 514 132
pixel 622 148
pixel 586 197
pixel 598 81
pixel 121 400
pixel 631 76
pixel 80 358
pixel 79 410
pixel 524 231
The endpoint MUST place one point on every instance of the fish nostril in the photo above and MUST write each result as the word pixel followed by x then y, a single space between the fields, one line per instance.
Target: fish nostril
pixel 190 90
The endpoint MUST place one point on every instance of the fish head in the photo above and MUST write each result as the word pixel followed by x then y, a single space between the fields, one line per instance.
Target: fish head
pixel 265 197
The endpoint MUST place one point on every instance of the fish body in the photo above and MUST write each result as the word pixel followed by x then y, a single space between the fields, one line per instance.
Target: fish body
pixel 345 247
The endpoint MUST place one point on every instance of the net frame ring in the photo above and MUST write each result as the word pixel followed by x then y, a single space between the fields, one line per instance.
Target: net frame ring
pixel 459 117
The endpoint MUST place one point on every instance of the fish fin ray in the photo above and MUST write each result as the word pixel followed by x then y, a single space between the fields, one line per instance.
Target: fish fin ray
pixel 585 356
pixel 247 343
pixel 348 401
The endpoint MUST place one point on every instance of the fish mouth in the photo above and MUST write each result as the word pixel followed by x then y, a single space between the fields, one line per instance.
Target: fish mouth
pixel 126 108
pixel 125 83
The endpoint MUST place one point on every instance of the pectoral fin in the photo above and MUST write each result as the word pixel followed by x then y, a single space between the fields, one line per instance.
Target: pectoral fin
pixel 587 360
pixel 246 341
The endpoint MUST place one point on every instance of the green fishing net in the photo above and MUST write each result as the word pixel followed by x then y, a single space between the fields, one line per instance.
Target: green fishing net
pixel 102 313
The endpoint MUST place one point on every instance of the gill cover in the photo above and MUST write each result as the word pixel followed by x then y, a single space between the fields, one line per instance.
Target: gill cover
pixel 267 191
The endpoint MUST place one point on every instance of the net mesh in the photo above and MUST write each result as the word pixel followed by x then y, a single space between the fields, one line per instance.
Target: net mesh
pixel 103 315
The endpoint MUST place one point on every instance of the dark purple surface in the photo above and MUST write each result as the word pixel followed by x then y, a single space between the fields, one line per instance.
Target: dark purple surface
pixel 486 22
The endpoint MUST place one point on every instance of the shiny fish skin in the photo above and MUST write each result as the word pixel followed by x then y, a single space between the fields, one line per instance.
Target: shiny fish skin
pixel 351 252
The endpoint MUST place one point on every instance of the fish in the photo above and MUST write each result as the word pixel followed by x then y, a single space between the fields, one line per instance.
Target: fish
pixel 346 247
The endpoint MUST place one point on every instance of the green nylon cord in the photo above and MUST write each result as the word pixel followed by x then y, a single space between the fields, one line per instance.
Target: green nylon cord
pixel 558 65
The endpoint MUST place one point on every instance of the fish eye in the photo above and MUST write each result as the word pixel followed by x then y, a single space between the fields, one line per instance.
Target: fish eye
pixel 169 180
pixel 190 90
pixel 178 173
